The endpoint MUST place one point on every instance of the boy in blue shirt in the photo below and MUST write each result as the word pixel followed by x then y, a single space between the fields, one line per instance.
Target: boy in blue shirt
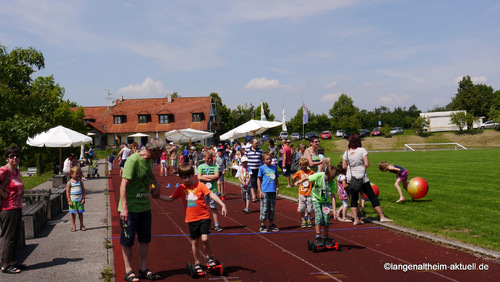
pixel 268 185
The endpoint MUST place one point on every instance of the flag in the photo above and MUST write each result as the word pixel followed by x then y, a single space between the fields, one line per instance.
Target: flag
pixel 305 115
pixel 262 115
pixel 283 127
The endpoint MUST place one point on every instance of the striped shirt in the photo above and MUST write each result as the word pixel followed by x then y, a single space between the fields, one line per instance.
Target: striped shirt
pixel 75 191
pixel 254 157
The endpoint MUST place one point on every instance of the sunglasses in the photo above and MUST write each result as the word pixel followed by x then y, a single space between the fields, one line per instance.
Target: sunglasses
pixel 11 156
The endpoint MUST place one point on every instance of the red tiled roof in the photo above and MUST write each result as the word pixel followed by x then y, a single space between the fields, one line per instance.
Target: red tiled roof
pixel 181 108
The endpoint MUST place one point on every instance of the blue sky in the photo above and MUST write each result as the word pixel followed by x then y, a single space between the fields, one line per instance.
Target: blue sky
pixel 380 53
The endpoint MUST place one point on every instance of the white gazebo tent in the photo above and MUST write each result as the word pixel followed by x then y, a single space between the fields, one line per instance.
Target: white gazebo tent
pixel 251 127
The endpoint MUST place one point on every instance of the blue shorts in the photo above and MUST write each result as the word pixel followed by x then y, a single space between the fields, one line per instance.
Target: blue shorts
pixel 138 223
pixel 221 177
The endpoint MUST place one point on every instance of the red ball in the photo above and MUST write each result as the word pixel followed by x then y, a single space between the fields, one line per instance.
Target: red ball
pixel 375 190
pixel 418 188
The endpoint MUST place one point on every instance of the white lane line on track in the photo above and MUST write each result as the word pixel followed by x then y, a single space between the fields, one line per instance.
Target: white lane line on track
pixel 344 239
pixel 288 252
pixel 188 238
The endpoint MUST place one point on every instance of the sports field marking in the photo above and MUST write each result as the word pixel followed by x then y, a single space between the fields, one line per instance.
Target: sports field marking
pixel 286 251
pixel 393 257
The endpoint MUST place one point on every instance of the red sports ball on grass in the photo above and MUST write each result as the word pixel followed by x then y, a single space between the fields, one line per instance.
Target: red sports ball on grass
pixel 418 188
pixel 375 190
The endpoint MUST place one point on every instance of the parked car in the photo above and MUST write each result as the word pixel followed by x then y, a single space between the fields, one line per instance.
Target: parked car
pixel 296 136
pixel 364 132
pixel 283 135
pixel 489 124
pixel 311 134
pixel 339 133
pixel 248 138
pixel 377 131
pixel 396 131
pixel 326 135
pixel 265 138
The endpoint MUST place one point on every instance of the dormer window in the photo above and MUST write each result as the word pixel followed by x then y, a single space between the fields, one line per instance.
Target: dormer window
pixel 198 117
pixel 163 119
pixel 144 118
pixel 119 119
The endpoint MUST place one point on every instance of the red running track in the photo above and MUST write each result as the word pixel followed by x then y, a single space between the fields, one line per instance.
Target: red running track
pixel 253 256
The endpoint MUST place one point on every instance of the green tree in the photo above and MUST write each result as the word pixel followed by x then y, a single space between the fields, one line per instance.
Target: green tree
pixel 467 97
pixel 486 95
pixel 241 114
pixel 420 124
pixel 494 111
pixel 462 119
pixel 345 115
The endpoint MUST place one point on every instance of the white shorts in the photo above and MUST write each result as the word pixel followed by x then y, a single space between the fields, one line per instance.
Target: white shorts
pixel 305 204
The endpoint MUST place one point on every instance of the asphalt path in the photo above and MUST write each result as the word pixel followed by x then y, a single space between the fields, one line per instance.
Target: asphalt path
pixel 367 252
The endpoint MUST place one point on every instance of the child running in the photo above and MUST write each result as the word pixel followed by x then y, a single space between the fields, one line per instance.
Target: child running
pixel 401 174
pixel 75 192
pixel 268 186
pixel 243 176
pixel 208 174
pixel 305 202
pixel 322 195
pixel 343 196
pixel 193 194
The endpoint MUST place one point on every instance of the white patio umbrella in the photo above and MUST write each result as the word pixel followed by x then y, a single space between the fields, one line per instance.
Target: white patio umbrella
pixel 187 135
pixel 251 127
pixel 138 135
pixel 59 136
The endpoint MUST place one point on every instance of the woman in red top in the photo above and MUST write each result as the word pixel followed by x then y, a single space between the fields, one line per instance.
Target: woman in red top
pixel 11 211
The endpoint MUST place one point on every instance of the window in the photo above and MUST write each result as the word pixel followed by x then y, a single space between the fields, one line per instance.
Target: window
pixel 197 117
pixel 163 119
pixel 144 118
pixel 117 119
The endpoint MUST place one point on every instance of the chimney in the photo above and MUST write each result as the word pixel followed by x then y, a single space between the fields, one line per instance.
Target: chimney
pixel 169 98
pixel 121 99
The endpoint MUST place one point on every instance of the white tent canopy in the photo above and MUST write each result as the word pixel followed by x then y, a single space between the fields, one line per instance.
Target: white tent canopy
pixel 187 135
pixel 59 136
pixel 251 127
pixel 138 135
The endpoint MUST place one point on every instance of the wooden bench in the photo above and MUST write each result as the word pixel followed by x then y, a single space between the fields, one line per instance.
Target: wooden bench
pixel 34 218
pixel 32 171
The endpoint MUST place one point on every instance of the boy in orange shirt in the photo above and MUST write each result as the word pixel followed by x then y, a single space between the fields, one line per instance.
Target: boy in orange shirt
pixel 305 202
pixel 193 195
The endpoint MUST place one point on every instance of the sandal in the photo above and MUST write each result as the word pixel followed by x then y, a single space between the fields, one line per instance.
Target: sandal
pixel 130 276
pixel 11 270
pixel 197 268
pixel 83 228
pixel 211 262
pixel 20 266
pixel 148 274
pixel 73 229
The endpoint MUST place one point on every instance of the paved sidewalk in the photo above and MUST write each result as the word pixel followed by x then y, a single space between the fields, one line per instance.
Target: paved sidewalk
pixel 57 254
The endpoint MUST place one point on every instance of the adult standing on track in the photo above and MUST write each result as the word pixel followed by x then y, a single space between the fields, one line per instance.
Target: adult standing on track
pixel 124 154
pixel 254 155
pixel 355 161
pixel 11 217
pixel 135 207
pixel 286 161
pixel 312 154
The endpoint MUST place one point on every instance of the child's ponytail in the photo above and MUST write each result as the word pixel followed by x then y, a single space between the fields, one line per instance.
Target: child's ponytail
pixel 330 171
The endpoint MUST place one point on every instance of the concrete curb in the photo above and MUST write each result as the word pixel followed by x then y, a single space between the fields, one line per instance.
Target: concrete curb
pixel 419 234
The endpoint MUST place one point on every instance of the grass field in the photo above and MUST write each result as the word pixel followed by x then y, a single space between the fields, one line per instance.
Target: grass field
pixel 463 198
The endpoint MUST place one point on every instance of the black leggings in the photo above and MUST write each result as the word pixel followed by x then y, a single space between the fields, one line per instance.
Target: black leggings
pixel 367 189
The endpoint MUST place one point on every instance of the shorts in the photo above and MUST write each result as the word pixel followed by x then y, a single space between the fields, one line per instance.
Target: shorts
pixel 305 204
pixel 267 206
pixel 138 223
pixel 253 178
pixel 164 162
pixel 198 228
pixel 122 162
pixel 221 177
pixel 246 195
pixel 77 207
pixel 403 176
pixel 173 162
pixel 287 168
pixel 345 203
pixel 110 166
pixel 210 202
pixel 321 218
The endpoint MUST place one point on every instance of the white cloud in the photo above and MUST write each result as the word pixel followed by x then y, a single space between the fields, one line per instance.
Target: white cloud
pixel 331 84
pixel 475 80
pixel 331 97
pixel 149 88
pixel 393 98
pixel 263 83
pixel 395 74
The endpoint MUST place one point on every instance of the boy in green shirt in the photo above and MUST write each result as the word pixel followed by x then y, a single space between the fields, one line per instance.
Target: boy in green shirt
pixel 208 173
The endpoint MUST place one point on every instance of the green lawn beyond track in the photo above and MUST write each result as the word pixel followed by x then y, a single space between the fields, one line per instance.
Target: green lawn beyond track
pixel 464 193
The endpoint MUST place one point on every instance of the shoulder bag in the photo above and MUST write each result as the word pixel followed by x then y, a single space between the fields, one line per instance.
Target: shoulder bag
pixel 356 183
